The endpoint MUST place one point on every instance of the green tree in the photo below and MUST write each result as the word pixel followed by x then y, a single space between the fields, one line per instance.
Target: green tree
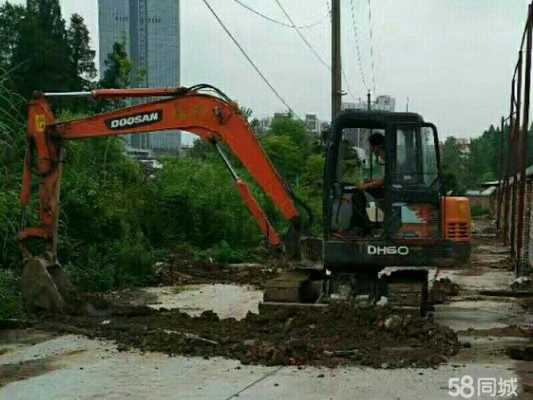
pixel 118 68
pixel 41 49
pixel 81 54
pixel 454 165
pixel 293 129
pixel 10 18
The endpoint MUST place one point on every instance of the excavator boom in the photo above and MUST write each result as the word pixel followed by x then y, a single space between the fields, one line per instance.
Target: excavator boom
pixel 214 118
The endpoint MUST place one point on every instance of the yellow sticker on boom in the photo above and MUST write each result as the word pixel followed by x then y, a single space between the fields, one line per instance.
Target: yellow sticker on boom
pixel 40 123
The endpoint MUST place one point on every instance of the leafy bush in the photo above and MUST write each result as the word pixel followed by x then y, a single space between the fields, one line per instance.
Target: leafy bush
pixel 195 201
pixel 478 211
pixel 10 296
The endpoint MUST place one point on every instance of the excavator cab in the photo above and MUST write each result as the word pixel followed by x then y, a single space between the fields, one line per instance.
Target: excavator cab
pixel 387 222
pixel 384 206
pixel 385 190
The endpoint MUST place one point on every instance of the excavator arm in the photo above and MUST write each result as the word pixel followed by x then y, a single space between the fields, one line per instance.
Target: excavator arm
pixel 214 118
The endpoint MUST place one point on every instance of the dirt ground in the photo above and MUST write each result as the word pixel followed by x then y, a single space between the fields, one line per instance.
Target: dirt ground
pixel 468 333
pixel 339 335
pixel 332 336
pixel 184 268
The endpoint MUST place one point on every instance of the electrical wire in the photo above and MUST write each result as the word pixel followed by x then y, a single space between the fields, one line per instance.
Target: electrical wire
pixel 304 39
pixel 371 34
pixel 348 86
pixel 311 47
pixel 252 63
pixel 275 21
pixel 357 46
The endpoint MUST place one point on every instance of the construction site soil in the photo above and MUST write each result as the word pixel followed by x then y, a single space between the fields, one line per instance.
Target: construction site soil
pixel 184 269
pixel 326 336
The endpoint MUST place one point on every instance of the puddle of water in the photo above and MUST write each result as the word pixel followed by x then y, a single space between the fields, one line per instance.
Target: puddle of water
pixel 227 301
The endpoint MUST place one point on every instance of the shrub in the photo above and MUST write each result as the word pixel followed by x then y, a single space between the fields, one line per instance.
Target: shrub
pixel 10 296
pixel 478 211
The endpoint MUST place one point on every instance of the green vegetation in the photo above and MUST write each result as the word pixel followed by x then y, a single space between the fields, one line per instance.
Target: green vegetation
pixel 466 168
pixel 116 220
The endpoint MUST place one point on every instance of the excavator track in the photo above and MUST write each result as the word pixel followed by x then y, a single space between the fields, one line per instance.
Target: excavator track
pixel 405 289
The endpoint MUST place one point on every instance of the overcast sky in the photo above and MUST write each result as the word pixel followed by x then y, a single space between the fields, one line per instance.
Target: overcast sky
pixel 452 58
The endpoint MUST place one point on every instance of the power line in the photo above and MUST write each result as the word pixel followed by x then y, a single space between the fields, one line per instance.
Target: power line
pixel 310 46
pixel 252 63
pixel 348 86
pixel 371 34
pixel 304 39
pixel 275 21
pixel 357 47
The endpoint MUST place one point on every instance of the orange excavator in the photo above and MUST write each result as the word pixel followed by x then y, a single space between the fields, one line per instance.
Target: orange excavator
pixel 412 225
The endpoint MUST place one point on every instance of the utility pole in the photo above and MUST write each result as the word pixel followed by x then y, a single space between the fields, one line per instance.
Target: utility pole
pixel 369 100
pixel 336 64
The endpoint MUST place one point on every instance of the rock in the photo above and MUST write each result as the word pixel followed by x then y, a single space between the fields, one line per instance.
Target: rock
pixel 393 322
pixel 523 353
pixel 521 283
pixel 249 342
pixel 383 301
pixel 287 325
pixel 438 359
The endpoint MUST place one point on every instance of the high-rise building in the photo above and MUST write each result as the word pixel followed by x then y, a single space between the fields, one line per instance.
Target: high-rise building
pixel 150 30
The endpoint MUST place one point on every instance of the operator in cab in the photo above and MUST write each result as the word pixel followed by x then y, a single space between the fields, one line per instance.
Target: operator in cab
pixel 374 187
pixel 377 147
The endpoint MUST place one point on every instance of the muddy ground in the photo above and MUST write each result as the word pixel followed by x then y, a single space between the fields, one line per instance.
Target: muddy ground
pixel 185 268
pixel 493 327
pixel 338 335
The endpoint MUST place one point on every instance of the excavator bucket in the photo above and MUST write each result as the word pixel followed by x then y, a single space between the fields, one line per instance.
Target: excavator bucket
pixel 298 285
pixel 46 287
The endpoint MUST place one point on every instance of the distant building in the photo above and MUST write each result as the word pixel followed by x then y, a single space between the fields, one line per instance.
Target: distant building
pixel 384 103
pixel 311 121
pixel 282 115
pixel 312 124
pixel 380 103
pixel 359 105
pixel 150 30
pixel 359 137
pixel 463 145
pixel 264 124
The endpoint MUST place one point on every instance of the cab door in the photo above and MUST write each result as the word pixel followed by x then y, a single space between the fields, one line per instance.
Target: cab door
pixel 413 186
